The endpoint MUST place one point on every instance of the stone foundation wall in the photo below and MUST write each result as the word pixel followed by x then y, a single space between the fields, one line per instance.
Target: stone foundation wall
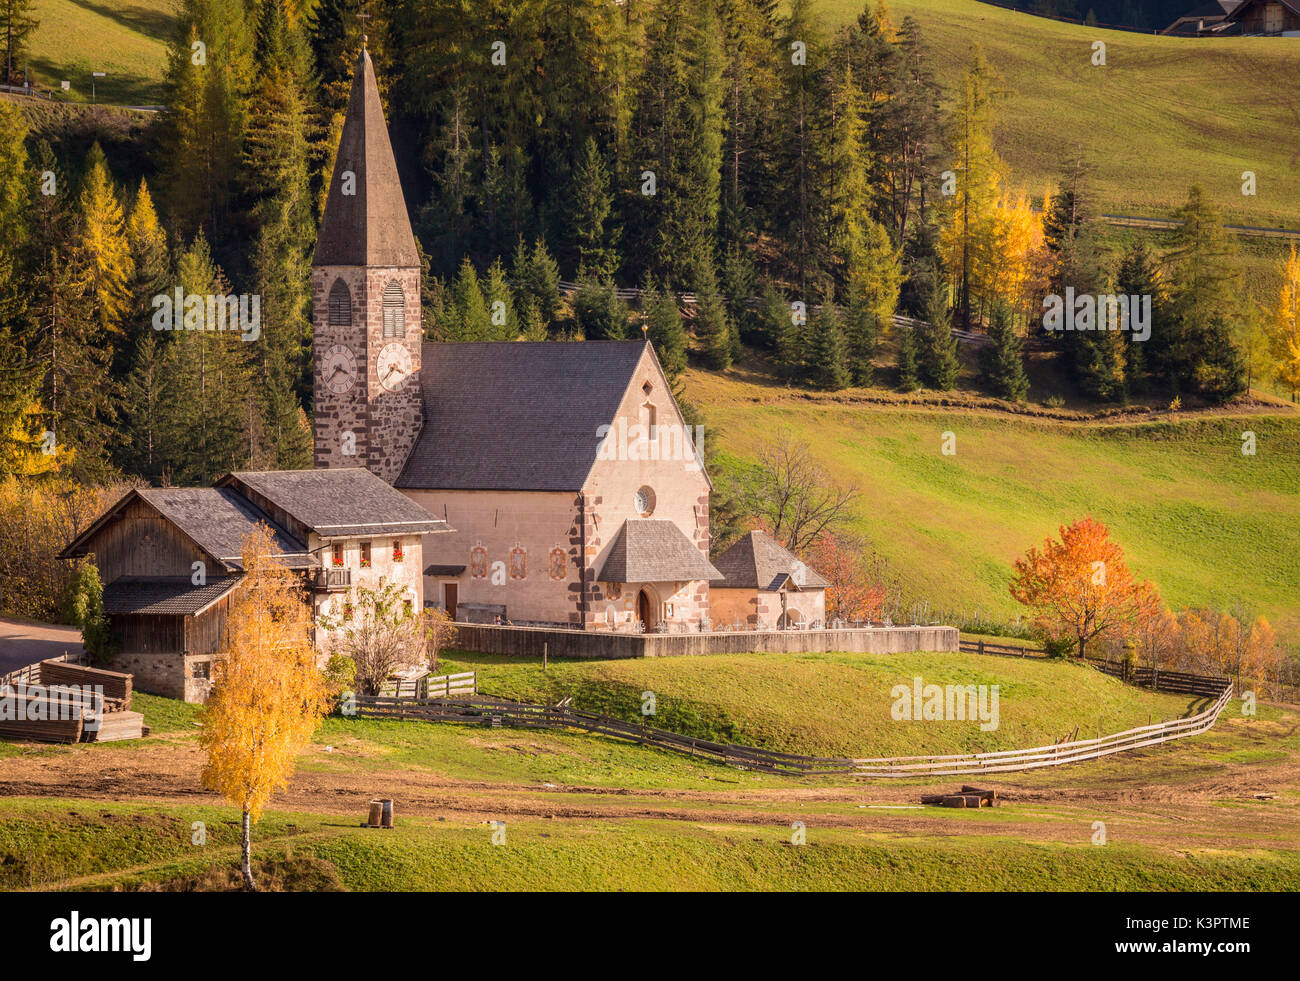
pixel 170 675
pixel 598 645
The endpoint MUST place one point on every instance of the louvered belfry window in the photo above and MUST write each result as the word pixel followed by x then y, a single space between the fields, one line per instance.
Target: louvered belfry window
pixel 394 310
pixel 340 304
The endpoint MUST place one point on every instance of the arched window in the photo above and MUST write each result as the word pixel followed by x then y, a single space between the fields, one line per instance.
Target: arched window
pixel 394 310
pixel 340 304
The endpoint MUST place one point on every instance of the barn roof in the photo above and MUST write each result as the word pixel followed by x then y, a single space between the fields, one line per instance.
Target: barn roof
pixel 369 227
pixel 759 561
pixel 341 503
pixel 517 415
pixel 654 550
pixel 215 519
pixel 165 596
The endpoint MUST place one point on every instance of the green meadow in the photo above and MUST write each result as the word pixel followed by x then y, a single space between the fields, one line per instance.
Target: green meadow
pixel 831 704
pixel 95 846
pixel 1206 523
pixel 1164 112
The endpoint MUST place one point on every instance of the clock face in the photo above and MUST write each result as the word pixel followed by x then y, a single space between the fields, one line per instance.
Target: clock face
pixel 394 366
pixel 339 368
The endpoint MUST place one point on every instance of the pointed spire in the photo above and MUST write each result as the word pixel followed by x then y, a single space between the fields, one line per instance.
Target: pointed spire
pixel 369 227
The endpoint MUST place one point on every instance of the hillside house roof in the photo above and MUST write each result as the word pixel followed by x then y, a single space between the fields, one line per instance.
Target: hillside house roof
pixel 517 415
pixel 369 227
pixel 654 550
pixel 758 561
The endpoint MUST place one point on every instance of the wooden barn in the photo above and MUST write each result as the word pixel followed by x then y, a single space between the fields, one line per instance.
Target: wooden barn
pixel 170 560
pixel 1256 18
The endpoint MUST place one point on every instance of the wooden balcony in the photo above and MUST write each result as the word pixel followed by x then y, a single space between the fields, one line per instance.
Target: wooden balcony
pixel 330 580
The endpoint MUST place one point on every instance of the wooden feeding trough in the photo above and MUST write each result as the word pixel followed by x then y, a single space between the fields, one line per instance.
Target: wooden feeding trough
pixel 966 797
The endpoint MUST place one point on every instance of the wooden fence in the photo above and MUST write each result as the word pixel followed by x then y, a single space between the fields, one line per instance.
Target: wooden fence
pixel 501 712
pixel 983 646
pixel 430 686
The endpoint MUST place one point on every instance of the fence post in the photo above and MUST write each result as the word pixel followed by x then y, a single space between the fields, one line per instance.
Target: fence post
pixel 981 645
pixel 545 651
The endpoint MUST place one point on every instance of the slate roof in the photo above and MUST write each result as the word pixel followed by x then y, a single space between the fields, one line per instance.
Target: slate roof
pixel 517 415
pixel 215 519
pixel 370 227
pixel 218 519
pixel 174 597
pixel 654 550
pixel 759 561
pixel 340 503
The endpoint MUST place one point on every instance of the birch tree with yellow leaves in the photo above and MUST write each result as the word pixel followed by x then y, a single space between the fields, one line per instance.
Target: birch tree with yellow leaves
pixel 268 697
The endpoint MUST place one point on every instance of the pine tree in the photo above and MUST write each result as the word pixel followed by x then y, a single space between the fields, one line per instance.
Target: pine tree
pixel 937 347
pixel 141 451
pixel 536 277
pixel 828 356
pixel 17 24
pixel 470 319
pixel 909 370
pixel 1002 361
pixel 862 337
pixel 712 325
pixel 1197 349
pixel 500 303
pixel 209 423
pixel 591 200
pixel 597 311
pixel 664 328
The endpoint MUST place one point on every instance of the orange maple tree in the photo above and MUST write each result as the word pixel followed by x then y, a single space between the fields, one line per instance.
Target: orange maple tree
pixel 1080 587
pixel 856 591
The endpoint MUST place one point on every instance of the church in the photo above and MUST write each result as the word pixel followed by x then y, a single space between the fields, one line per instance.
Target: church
pixel 532 484
pixel 574 491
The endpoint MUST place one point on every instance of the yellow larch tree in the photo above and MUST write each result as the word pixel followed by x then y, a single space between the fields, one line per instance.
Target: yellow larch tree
pixel 269 696
pixel 1284 325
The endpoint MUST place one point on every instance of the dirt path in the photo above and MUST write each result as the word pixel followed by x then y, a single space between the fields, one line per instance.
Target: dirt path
pixel 24 642
pixel 1190 802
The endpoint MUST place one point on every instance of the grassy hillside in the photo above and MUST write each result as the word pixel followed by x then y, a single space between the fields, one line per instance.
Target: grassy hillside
pixel 1164 113
pixel 831 704
pixel 1206 523
pixel 127 39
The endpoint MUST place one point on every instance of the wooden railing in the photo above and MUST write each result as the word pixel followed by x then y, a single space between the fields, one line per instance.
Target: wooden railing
pixel 430 686
pixel 497 712
pixel 982 646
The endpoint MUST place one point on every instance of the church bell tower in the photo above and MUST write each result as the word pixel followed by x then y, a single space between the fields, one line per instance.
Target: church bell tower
pixel 365 284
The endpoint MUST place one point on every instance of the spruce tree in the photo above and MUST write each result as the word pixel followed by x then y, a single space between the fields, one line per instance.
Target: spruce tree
pixel 909 369
pixel 828 354
pixel 504 323
pixel 712 325
pixel 590 201
pixel 597 311
pixel 664 328
pixel 937 355
pixel 1002 360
